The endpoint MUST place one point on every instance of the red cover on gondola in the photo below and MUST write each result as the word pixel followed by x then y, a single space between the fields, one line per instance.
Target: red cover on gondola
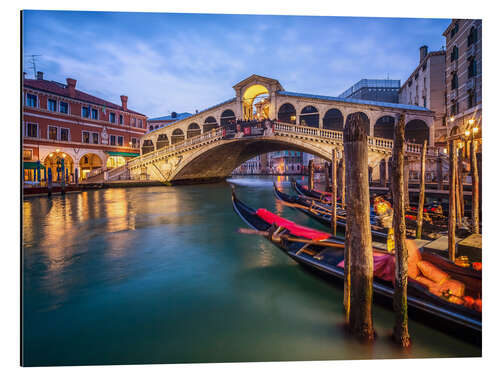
pixel 296 230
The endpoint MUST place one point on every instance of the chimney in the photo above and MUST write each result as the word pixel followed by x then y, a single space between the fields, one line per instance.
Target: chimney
pixel 71 83
pixel 124 99
pixel 423 53
pixel 39 76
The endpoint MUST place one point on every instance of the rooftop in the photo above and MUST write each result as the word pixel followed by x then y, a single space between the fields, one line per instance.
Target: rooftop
pixel 357 101
pixel 374 83
pixel 62 89
pixel 178 116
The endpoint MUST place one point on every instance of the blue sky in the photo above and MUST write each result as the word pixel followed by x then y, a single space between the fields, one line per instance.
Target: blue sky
pixel 181 62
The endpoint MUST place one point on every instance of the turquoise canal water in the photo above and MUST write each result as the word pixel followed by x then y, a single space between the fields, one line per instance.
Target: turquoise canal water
pixel 160 275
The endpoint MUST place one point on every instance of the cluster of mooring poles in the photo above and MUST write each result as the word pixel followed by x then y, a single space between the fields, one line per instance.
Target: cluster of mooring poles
pixel 351 186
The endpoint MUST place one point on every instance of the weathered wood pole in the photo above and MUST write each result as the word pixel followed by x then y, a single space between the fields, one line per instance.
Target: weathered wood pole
pixel 406 178
pixel 451 199
pixel 334 193
pixel 401 334
pixel 382 168
pixel 310 183
pixel 342 180
pixel 421 198
pixel 460 177
pixel 457 188
pixel 327 176
pixel 475 189
pixel 358 244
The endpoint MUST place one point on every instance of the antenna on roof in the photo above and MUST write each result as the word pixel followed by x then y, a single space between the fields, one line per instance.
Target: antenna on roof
pixel 33 63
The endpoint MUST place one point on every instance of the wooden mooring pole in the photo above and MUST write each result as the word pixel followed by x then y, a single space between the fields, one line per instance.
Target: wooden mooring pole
pixel 327 176
pixel 451 199
pixel 458 182
pixel 342 180
pixel 334 193
pixel 358 261
pixel 310 183
pixel 421 198
pixel 401 334
pixel 475 189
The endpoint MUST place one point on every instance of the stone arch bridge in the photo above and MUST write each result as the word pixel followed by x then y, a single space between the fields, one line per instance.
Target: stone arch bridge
pixel 195 148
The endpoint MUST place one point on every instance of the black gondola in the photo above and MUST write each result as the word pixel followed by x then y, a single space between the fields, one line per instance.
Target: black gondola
pixel 323 259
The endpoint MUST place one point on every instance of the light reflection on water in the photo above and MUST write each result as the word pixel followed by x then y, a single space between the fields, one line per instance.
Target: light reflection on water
pixel 160 274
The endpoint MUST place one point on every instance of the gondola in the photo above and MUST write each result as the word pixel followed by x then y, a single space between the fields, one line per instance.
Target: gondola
pixel 429 231
pixel 322 254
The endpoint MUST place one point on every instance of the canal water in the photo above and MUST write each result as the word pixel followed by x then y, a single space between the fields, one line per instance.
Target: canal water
pixel 160 275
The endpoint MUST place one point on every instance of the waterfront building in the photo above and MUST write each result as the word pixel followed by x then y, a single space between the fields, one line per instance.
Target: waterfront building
pixel 158 122
pixel 286 162
pixel 463 75
pixel 89 133
pixel 379 90
pixel 426 87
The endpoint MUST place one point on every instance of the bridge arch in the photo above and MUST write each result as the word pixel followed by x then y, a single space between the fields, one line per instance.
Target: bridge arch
pixel 177 136
pixel 416 131
pixel 250 94
pixel 209 124
pixel 161 141
pixel 333 120
pixel 287 113
pixel 193 130
pixel 384 127
pixel 147 146
pixel 365 121
pixel 227 117
pixel 309 116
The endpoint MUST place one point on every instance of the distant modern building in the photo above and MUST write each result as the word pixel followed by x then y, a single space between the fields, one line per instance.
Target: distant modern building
pixel 463 74
pixel 158 122
pixel 64 125
pixel 379 90
pixel 426 87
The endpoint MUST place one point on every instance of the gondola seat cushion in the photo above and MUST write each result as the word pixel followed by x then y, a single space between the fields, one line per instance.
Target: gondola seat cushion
pixel 432 272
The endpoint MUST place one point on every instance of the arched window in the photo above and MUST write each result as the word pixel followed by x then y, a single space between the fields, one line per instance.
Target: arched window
pixel 227 117
pixel 209 124
pixel 309 116
pixel 454 53
pixel 151 127
pixel 454 81
pixel 287 113
pixel 472 68
pixel 193 130
pixel 365 121
pixel 162 141
pixel 333 120
pixel 177 136
pixel 384 127
pixel 472 37
pixel 416 131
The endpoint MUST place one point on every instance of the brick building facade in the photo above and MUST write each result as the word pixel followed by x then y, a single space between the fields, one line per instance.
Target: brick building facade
pixel 60 122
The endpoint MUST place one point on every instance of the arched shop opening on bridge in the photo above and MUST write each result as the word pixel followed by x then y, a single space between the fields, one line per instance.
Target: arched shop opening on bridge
pixel 256 103
pixel 209 124
pixel 177 136
pixel 287 113
pixel 227 117
pixel 56 161
pixel 162 141
pixel 416 131
pixel 147 146
pixel 87 163
pixel 384 127
pixel 333 120
pixel 365 121
pixel 309 116
pixel 193 130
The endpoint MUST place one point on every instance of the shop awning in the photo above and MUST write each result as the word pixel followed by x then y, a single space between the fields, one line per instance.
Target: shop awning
pixel 119 153
pixel 31 165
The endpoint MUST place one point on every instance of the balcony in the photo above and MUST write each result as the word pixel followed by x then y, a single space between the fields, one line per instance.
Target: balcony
pixel 471 83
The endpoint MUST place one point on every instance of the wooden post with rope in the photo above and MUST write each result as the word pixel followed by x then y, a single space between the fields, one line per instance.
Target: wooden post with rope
pixel 421 198
pixel 475 189
pixel 451 200
pixel 310 183
pixel 334 193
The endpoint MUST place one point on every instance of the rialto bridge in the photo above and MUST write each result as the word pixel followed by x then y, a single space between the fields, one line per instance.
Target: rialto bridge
pixel 195 147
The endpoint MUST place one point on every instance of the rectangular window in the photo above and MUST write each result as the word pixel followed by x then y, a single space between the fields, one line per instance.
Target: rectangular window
pixel 63 107
pixel 112 140
pixel 52 105
pixel 85 137
pixel 95 114
pixel 112 117
pixel 86 112
pixel 140 124
pixel 31 100
pixel 121 119
pixel 64 134
pixel 120 140
pixel 52 133
pixel 95 138
pixel 134 142
pixel 27 154
pixel 32 130
pixel 133 121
